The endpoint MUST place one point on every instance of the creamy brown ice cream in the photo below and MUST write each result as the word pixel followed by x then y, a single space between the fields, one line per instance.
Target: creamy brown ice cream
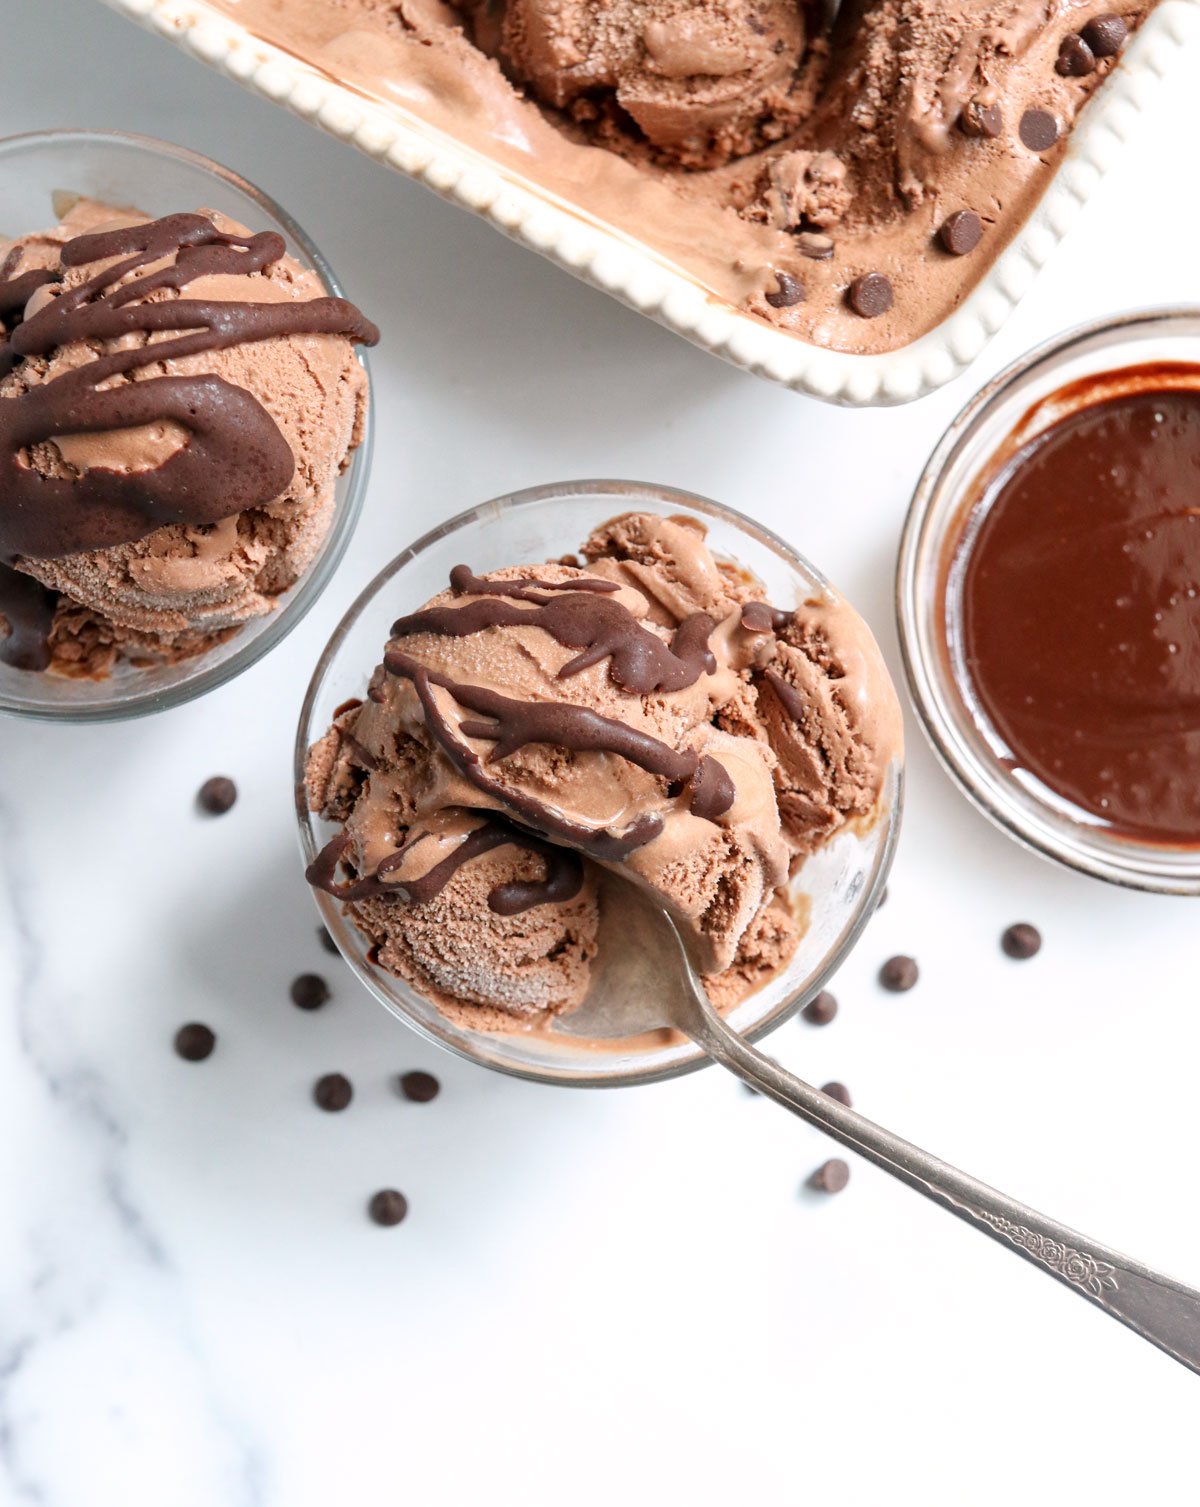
pixel 644 712
pixel 848 180
pixel 177 400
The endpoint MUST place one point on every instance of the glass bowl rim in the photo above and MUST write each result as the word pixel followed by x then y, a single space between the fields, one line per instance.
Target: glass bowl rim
pixel 297 602
pixel 923 544
pixel 330 913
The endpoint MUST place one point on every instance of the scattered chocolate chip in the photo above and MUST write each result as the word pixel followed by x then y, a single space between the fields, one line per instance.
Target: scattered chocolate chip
pixel 326 940
pixel 309 991
pixel 216 796
pixel 961 232
pixel 387 1207
pixel 1021 941
pixel 419 1087
pixel 899 974
pixel 870 295
pixel 1038 130
pixel 981 119
pixel 820 1010
pixel 790 291
pixel 195 1042
pixel 1105 35
pixel 831 1177
pixel 1075 58
pixel 837 1091
pixel 333 1092
pixel 818 248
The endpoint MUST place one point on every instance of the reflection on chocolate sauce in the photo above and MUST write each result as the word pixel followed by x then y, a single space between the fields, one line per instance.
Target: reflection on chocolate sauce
pixel 564 871
pixel 235 457
pixel 1081 609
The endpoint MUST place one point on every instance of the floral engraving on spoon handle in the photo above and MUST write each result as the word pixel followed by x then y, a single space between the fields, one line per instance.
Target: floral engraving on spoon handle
pixel 1095 1277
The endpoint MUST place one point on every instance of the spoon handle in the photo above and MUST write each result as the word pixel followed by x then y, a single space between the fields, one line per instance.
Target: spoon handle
pixel 1161 1310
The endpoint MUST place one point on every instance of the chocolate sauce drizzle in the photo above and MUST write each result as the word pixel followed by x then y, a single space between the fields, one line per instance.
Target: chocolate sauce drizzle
pixel 514 724
pixel 28 610
pixel 563 881
pixel 761 617
pixel 235 458
pixel 464 581
pixel 639 660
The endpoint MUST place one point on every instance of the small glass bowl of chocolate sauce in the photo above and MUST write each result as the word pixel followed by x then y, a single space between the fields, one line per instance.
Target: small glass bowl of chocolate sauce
pixel 835 891
pixel 1048 592
pixel 41 174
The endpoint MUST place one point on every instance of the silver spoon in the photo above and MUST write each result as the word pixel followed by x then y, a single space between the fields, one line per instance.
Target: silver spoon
pixel 646 982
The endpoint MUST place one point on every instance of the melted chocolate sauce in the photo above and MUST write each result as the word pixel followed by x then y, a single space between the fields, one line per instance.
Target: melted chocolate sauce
pixel 464 581
pixel 640 662
pixel 600 843
pixel 28 609
pixel 516 723
pixel 564 872
pixel 761 617
pixel 1081 608
pixel 236 458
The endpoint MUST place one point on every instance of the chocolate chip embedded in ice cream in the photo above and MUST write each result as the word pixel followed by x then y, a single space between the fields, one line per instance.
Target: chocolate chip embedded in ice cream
pixel 1075 58
pixel 1106 34
pixel 788 290
pixel 961 232
pixel 174 483
pixel 1038 130
pixel 870 295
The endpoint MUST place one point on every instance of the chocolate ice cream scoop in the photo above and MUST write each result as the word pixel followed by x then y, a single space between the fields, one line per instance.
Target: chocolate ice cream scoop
pixel 642 712
pixel 177 397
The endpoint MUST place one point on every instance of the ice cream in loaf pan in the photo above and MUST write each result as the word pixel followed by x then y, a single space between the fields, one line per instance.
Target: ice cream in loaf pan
pixel 177 400
pixel 643 711
pixel 848 180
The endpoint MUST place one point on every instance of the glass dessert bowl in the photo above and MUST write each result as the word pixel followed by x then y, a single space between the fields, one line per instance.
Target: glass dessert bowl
pixel 1006 438
pixel 832 893
pixel 42 176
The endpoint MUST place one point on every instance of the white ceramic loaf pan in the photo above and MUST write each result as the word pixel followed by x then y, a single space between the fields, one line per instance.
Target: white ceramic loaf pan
pixel 637 275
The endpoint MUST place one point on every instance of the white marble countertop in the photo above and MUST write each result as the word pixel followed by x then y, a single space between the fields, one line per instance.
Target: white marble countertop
pixel 194 1310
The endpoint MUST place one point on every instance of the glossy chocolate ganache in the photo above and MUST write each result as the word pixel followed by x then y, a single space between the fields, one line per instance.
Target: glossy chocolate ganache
pixel 149 302
pixel 1080 605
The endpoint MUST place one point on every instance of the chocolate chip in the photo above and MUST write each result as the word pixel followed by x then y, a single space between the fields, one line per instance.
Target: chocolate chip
pixel 1105 35
pixel 790 291
pixel 831 1177
pixel 981 119
pixel 899 974
pixel 387 1207
pixel 961 232
pixel 818 248
pixel 821 1010
pixel 419 1087
pixel 1075 58
pixel 216 796
pixel 326 940
pixel 870 295
pixel 309 991
pixel 333 1092
pixel 1038 130
pixel 1021 941
pixel 195 1042
pixel 837 1091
